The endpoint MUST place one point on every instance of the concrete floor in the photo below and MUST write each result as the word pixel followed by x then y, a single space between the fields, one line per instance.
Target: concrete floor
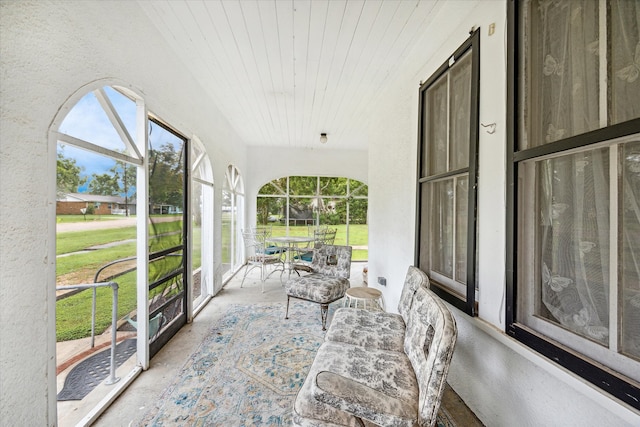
pixel 133 403
pixel 145 389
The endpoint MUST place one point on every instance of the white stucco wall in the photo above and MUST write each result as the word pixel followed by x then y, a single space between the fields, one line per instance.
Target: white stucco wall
pixel 503 382
pixel 49 51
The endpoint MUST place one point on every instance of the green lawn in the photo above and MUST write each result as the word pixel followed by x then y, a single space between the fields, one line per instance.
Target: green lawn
pixel 358 236
pixel 73 314
pixel 74 241
pixel 81 218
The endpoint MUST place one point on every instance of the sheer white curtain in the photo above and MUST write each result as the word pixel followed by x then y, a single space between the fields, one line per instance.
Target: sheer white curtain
pixel 574 192
pixel 574 245
pixel 630 249
pixel 567 73
pixel 447 115
pixel 625 60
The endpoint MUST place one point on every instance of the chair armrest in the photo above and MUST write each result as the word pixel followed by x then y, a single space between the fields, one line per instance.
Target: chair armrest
pixel 363 401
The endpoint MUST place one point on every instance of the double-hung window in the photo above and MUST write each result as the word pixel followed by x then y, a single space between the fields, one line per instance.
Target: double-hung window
pixel 447 176
pixel 575 168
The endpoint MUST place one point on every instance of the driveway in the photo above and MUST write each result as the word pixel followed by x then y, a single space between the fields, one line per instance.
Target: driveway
pixel 95 225
pixel 101 225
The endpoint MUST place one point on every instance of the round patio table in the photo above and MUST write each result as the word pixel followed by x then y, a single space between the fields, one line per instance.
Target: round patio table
pixel 290 242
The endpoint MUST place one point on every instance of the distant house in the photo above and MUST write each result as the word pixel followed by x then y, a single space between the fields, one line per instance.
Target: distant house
pixel 162 209
pixel 73 203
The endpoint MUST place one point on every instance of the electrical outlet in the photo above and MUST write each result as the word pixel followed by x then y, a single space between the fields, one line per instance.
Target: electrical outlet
pixel 382 281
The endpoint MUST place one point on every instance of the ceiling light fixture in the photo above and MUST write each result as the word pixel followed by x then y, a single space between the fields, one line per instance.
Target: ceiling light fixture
pixel 323 138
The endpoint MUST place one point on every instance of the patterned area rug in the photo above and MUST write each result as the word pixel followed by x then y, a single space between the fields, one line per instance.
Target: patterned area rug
pixel 247 371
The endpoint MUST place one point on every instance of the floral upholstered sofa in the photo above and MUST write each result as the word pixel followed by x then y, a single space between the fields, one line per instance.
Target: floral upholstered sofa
pixel 381 369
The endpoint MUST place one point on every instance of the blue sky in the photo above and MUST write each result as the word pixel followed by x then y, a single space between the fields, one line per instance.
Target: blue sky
pixel 88 121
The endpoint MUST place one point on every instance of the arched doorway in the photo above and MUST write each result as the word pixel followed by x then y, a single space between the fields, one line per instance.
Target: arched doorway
pixel 119 164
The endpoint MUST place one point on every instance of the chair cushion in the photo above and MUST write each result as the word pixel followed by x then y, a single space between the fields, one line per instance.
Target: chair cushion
pixel 369 329
pixel 415 279
pixel 272 250
pixel 386 372
pixel 307 256
pixel 429 343
pixel 317 287
pixel 364 402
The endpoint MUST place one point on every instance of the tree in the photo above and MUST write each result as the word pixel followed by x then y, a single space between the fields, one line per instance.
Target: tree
pixel 166 176
pixel 104 184
pixel 327 196
pixel 125 176
pixel 68 178
pixel 303 185
pixel 268 207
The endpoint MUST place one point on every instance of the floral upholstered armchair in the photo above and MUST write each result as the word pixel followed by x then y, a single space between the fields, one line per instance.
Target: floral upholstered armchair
pixel 328 281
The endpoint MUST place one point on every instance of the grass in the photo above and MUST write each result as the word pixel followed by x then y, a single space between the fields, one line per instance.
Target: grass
pixel 91 261
pixel 73 314
pixel 358 236
pixel 82 218
pixel 74 241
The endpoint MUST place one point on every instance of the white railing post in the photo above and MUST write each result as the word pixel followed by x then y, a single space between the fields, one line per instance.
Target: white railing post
pixel 114 319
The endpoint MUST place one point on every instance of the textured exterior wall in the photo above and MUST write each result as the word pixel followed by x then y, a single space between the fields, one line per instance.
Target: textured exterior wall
pixel 52 54
pixel 29 99
pixel 504 383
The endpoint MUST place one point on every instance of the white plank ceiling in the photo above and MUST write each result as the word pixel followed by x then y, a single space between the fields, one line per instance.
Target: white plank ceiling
pixel 284 71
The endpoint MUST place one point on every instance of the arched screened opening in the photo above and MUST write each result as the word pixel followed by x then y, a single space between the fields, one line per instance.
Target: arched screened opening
pixel 100 138
pixel 134 207
pixel 293 204
pixel 201 191
pixel 232 219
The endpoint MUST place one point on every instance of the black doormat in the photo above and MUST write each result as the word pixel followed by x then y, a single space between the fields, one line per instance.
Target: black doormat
pixel 86 375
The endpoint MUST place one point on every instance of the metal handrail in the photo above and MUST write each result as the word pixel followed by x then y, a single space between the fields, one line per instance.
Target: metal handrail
pixel 152 257
pixel 114 320
pixel 93 305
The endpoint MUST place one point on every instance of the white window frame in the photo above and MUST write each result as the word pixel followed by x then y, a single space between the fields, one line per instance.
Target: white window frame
pixel 285 194
pixel 529 273
pixel 203 164
pixel 586 359
pixel 235 187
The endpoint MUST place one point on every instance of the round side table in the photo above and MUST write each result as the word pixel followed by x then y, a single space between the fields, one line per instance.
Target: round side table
pixel 370 297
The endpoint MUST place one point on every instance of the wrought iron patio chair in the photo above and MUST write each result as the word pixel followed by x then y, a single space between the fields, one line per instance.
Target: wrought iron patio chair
pixel 255 246
pixel 304 256
pixel 264 232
